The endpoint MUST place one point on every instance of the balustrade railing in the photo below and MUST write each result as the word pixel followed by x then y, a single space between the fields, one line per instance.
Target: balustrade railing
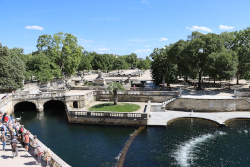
pixel 107 114
pixel 41 95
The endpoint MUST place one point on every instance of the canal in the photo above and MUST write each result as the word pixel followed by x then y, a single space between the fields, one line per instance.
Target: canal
pixel 184 143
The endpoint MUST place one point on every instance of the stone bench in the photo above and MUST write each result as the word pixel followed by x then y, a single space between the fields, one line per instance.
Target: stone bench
pixel 105 100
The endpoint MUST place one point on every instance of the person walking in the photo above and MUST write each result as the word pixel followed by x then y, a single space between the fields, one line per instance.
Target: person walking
pixel 14 147
pixel 3 140
pixel 34 144
pixel 26 141
pixel 39 154
pixel 47 157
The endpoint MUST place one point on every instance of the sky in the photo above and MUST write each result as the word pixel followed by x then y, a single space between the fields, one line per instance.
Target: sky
pixel 118 27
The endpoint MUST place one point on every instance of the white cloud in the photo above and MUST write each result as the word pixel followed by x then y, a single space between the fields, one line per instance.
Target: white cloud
pixel 195 28
pixel 146 46
pixel 102 49
pixel 226 27
pixel 145 2
pixel 34 28
pixel 142 50
pixel 84 40
pixel 163 39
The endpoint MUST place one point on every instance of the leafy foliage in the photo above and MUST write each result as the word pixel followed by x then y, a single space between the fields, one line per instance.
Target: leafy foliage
pixel 12 68
pixel 113 87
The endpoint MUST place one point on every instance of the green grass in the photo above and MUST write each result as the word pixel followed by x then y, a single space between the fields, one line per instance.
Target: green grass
pixel 120 107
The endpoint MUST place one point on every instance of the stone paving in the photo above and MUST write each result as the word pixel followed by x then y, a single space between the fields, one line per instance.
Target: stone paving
pixel 24 158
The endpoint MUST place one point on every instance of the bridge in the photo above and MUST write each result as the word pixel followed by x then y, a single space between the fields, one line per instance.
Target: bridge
pixel 72 100
pixel 163 118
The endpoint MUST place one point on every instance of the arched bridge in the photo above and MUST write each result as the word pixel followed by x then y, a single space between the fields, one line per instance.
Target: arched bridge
pixel 38 99
pixel 74 101
pixel 220 118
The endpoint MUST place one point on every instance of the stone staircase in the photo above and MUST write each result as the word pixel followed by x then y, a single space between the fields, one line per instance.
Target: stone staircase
pixel 167 102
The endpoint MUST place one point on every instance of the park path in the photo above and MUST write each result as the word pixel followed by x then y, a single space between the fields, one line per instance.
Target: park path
pixel 24 158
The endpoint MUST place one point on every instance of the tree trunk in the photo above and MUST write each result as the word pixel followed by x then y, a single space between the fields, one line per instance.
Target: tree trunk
pixel 199 83
pixel 214 82
pixel 237 83
pixel 163 82
pixel 115 97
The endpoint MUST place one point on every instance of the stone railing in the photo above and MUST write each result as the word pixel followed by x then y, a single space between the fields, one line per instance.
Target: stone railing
pixel 55 161
pixel 145 93
pixel 106 114
pixel 41 95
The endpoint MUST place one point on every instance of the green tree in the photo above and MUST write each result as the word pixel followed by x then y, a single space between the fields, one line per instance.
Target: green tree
pixel 41 66
pixel 132 60
pixel 199 48
pixel 163 70
pixel 120 64
pixel 177 53
pixel 63 50
pixel 99 61
pixel 222 65
pixel 143 64
pixel 242 44
pixel 114 87
pixel 85 63
pixel 12 69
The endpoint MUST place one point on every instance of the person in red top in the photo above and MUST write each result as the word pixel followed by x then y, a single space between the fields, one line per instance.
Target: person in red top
pixel 27 141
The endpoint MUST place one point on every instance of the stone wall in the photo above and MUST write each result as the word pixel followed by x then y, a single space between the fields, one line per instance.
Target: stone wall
pixel 6 105
pixel 209 105
pixel 134 98
pixel 82 100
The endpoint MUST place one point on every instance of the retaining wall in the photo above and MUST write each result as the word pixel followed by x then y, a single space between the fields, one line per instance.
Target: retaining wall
pixel 209 105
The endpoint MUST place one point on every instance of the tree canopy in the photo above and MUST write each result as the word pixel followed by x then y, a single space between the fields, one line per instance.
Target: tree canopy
pixel 12 69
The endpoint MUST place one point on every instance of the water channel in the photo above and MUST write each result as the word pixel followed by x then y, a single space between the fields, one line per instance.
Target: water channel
pixel 184 143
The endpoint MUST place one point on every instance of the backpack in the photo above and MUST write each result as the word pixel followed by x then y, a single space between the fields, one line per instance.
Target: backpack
pixel 6 119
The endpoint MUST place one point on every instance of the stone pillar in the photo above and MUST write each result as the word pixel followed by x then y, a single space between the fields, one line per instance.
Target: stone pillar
pixel 39 108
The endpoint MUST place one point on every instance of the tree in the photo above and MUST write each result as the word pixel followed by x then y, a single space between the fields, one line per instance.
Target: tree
pixel 198 49
pixel 163 70
pixel 41 66
pixel 120 64
pixel 114 87
pixel 132 60
pixel 178 54
pixel 242 44
pixel 85 63
pixel 222 65
pixel 99 61
pixel 12 69
pixel 143 64
pixel 63 50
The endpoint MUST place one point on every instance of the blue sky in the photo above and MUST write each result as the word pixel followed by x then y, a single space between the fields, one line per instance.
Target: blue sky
pixel 118 26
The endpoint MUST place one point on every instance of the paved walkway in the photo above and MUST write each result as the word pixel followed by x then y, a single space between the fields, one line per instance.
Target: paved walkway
pixel 24 158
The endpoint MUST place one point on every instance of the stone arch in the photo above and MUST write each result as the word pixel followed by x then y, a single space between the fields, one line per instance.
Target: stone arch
pixel 15 105
pixel 205 119
pixel 237 118
pixel 49 103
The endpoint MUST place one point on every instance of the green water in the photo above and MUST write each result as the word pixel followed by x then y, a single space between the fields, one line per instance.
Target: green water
pixel 184 143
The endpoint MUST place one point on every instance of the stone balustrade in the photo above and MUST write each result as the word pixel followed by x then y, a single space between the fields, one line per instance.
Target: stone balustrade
pixel 106 114
pixel 55 161
pixel 41 95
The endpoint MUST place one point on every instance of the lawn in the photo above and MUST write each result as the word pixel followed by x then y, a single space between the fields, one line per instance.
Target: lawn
pixel 120 107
